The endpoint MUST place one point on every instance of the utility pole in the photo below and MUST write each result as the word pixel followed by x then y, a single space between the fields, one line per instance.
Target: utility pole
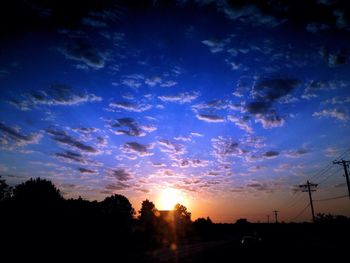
pixel 309 187
pixel 275 212
pixel 345 166
pixel 268 218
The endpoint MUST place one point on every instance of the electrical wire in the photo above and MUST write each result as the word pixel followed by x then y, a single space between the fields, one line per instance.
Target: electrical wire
pixel 300 213
pixel 332 198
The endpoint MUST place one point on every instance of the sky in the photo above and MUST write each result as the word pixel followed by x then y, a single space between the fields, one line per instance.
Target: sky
pixel 232 104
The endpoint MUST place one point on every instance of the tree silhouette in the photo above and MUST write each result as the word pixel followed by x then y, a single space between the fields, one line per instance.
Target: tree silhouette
pixel 5 190
pixel 181 213
pixel 118 208
pixel 203 227
pixel 182 219
pixel 151 232
pixel 147 212
pixel 37 196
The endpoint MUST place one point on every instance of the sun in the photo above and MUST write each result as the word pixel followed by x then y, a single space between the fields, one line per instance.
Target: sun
pixel 169 197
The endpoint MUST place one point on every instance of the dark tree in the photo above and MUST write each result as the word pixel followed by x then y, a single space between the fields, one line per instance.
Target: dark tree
pixel 38 194
pixel 182 220
pixel 5 190
pixel 331 219
pixel 150 226
pixel 118 208
pixel 203 227
pixel 181 213
pixel 147 212
pixel 242 222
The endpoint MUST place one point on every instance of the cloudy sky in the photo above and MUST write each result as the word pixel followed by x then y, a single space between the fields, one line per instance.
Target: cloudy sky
pixel 233 105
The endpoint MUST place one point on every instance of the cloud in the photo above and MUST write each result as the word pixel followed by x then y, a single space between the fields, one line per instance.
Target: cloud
pixel 93 22
pixel 265 93
pixel 314 87
pixel 55 95
pixel 215 45
pixel 184 163
pixel 70 157
pixel 171 148
pixel 214 104
pixel 297 153
pixel 86 171
pixel 133 81
pixel 315 27
pixel 84 52
pixel 196 134
pixel 241 123
pixel 120 174
pixel 331 152
pixel 272 89
pixel 128 106
pixel 264 187
pixel 271 154
pixel 168 83
pixel 209 118
pixel 338 101
pixel 248 14
pixel 116 186
pixel 225 147
pixel 156 80
pixel 64 139
pixel 133 128
pixel 337 113
pixel 335 60
pixel 137 148
pixel 184 97
pixel 11 138
pixel 270 120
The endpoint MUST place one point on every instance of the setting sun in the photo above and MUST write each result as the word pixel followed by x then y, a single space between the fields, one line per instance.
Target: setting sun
pixel 169 197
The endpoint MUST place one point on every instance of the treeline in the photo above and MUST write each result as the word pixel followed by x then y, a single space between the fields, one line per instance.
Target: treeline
pixel 36 210
pixel 36 219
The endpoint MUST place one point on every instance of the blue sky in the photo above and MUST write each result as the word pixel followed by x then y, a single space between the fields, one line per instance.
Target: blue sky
pixel 230 105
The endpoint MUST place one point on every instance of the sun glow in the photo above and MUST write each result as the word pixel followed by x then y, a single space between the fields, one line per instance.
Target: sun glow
pixel 169 197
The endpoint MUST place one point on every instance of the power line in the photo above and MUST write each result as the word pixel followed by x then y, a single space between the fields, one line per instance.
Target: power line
pixel 328 166
pixel 329 176
pixel 332 198
pixel 300 213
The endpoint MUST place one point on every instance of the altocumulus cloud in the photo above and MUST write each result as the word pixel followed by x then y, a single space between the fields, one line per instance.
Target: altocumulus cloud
pixel 55 95
pixel 210 118
pixel 265 93
pixel 337 113
pixel 11 138
pixel 63 138
pixel 184 97
pixel 137 149
pixel 120 174
pixel 129 106
pixel 84 52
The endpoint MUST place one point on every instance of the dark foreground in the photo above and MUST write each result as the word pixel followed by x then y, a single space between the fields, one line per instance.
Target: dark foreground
pixel 82 242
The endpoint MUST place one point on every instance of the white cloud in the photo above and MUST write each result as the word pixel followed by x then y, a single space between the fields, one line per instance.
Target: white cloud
pixel 210 118
pixel 11 137
pixel 338 114
pixel 128 106
pixel 184 97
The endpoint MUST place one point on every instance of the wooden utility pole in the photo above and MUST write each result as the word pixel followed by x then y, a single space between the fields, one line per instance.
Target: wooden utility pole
pixel 276 213
pixel 345 166
pixel 309 187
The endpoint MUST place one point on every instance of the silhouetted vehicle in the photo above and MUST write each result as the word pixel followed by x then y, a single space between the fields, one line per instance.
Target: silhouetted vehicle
pixel 250 241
